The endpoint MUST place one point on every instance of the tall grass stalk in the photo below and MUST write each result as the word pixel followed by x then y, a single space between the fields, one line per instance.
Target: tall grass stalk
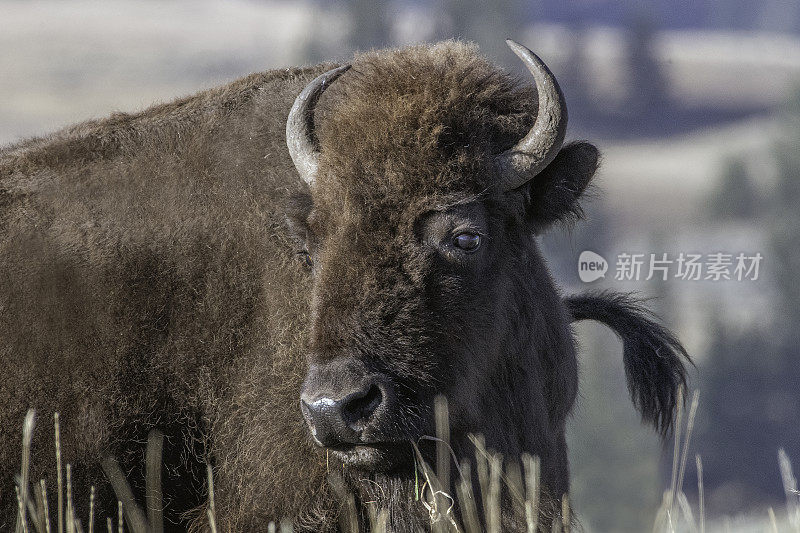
pixel 137 521
pixel 22 524
pixel 442 420
pixel 676 451
pixel 532 466
pixel 212 510
pixel 36 507
pixel 689 428
pixel 790 489
pixel 45 507
pixel 433 498
pixel 70 520
pixel 773 522
pixel 493 524
pixel 33 514
pixel 566 524
pixel 27 437
pixel 482 467
pixel 91 510
pixel 59 479
pixel 153 496
pixel 666 518
pixel 378 519
pixel 700 493
pixel 516 489
pixel 466 498
pixel 443 500
pixel 348 516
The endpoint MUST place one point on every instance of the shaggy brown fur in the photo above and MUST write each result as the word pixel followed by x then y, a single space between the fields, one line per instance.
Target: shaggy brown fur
pixel 148 279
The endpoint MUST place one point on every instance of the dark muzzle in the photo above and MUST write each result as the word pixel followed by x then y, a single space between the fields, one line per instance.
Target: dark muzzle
pixel 342 404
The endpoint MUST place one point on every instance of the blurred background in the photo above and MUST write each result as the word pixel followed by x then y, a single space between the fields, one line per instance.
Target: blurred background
pixel 695 105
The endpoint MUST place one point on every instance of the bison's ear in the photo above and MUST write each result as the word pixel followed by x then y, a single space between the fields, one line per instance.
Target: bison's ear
pixel 553 194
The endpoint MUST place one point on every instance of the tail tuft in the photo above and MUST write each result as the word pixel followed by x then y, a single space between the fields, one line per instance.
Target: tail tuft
pixel 653 357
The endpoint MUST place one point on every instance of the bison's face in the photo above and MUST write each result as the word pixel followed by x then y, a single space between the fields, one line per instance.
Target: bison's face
pixel 402 308
pixel 418 240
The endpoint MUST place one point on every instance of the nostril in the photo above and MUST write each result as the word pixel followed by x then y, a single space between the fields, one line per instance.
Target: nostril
pixel 324 418
pixel 358 408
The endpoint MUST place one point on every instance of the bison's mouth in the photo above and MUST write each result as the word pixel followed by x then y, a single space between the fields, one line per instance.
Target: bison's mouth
pixel 376 457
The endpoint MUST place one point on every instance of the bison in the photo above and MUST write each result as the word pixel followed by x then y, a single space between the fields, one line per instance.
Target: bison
pixel 281 275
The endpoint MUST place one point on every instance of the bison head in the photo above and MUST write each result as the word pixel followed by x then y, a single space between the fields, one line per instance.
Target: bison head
pixel 429 175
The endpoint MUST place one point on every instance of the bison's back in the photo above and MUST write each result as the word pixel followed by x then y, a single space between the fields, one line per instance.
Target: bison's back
pixel 146 281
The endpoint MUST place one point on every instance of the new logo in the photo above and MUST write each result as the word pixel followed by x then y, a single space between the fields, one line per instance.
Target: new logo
pixel 591 266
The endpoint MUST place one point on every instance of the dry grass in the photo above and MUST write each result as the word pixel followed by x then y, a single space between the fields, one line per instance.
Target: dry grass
pixel 34 511
pixel 521 482
pixel 676 515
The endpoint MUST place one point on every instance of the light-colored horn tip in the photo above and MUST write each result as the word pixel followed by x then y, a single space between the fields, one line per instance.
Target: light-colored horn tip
pixel 526 54
pixel 331 75
pixel 521 51
pixel 514 45
pixel 342 69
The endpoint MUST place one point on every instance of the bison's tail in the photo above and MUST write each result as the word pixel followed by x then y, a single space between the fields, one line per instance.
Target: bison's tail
pixel 654 358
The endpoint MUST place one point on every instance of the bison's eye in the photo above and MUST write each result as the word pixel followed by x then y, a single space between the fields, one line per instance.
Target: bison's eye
pixel 467 241
pixel 305 258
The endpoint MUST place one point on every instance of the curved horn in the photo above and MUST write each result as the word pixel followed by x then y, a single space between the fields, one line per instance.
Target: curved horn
pixel 300 125
pixel 538 148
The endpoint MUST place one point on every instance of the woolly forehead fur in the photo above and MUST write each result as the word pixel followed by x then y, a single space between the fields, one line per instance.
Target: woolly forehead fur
pixel 418 123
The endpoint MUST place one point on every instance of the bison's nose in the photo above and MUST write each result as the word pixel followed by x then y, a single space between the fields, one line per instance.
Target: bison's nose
pixel 341 419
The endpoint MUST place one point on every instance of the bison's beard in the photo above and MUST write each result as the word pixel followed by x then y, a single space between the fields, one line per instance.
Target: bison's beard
pixel 395 494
